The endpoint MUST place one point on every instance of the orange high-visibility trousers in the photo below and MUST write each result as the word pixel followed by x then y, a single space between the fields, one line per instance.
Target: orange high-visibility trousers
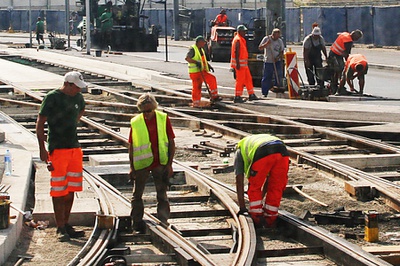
pixel 197 81
pixel 243 79
pixel 275 167
pixel 67 174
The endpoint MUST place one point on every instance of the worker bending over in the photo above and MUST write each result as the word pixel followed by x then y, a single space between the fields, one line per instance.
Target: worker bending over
pixel 264 160
pixel 356 67
pixel 340 51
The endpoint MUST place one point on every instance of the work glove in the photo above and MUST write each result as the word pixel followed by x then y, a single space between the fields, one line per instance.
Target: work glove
pixel 211 68
pixel 198 64
pixel 243 211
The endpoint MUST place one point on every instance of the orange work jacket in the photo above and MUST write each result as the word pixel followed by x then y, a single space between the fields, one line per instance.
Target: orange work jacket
pixel 338 46
pixel 243 54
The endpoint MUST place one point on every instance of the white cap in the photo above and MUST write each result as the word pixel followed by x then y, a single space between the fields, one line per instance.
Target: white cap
pixel 76 78
pixel 316 31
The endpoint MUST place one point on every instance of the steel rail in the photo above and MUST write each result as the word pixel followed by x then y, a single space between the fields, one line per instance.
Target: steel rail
pixel 242 256
pixel 100 237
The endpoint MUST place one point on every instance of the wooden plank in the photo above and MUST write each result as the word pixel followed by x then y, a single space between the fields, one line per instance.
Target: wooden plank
pixel 382 250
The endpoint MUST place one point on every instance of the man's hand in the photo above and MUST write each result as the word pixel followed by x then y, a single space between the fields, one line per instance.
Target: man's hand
pixel 243 211
pixel 211 68
pixel 132 175
pixel 198 64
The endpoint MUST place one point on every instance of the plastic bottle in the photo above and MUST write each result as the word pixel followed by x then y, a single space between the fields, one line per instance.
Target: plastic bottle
pixel 7 163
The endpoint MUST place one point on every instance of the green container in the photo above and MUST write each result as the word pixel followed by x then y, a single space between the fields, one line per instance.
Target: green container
pixel 4 214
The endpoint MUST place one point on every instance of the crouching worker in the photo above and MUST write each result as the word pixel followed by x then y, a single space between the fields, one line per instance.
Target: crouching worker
pixel 151 149
pixel 264 160
pixel 356 67
pixel 199 72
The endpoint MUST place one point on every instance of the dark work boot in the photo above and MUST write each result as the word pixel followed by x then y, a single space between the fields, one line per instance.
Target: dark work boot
pixel 238 99
pixel 62 234
pixel 253 97
pixel 74 233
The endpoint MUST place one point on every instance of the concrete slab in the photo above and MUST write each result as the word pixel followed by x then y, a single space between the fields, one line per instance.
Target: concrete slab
pixel 106 159
pixel 83 211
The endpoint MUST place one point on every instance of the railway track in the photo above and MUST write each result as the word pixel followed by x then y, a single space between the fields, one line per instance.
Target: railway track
pixel 326 149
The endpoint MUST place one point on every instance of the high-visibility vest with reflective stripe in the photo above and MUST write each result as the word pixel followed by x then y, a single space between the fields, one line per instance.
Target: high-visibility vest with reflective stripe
pixel 338 46
pixel 356 59
pixel 243 54
pixel 142 153
pixel 248 147
pixel 198 57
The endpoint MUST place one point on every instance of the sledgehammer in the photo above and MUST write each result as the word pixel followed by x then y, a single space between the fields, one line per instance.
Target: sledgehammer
pixel 27 215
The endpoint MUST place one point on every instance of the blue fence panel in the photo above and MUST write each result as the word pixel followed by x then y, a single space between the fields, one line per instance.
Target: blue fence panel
pixel 16 19
pixel 311 15
pixel 55 21
pixel 333 21
pixel 4 19
pixel 361 18
pixel 293 33
pixel 386 29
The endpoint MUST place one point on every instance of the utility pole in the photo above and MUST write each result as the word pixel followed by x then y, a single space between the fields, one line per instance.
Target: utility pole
pixel 87 7
pixel 30 23
pixel 276 17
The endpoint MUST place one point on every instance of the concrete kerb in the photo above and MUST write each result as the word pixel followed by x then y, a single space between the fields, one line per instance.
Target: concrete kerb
pixel 18 181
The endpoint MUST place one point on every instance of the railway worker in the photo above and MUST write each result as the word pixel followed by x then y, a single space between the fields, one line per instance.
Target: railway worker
pixel 273 55
pixel 356 67
pixel 199 72
pixel 61 109
pixel 221 19
pixel 338 54
pixel 151 149
pixel 313 45
pixel 106 25
pixel 264 160
pixel 239 64
pixel 39 30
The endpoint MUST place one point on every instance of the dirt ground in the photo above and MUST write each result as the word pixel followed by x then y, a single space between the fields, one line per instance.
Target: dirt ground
pixel 46 250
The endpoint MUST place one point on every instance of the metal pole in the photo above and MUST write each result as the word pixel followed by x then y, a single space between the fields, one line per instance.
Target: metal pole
pixel 30 22
pixel 165 31
pixel 87 6
pixel 68 28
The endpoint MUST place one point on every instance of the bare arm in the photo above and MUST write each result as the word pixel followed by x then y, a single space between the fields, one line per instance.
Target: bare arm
pixel 262 46
pixel 41 136
pixel 240 190
pixel 171 154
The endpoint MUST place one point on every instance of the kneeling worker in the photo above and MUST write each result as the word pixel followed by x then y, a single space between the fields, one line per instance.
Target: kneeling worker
pixel 356 67
pixel 199 72
pixel 264 160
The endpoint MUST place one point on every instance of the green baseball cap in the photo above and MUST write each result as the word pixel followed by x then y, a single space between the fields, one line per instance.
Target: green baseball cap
pixel 199 38
pixel 241 27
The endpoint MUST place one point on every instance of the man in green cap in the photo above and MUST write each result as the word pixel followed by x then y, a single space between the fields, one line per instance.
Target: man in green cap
pixel 199 72
pixel 39 30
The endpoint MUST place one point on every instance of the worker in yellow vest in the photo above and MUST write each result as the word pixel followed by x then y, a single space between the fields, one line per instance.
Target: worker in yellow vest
pixel 199 72
pixel 151 149
pixel 264 160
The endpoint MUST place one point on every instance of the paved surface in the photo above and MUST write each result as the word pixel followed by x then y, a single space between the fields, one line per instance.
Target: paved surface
pixel 126 67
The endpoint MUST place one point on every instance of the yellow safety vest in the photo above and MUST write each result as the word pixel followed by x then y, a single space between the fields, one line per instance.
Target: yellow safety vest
pixel 248 147
pixel 197 56
pixel 142 153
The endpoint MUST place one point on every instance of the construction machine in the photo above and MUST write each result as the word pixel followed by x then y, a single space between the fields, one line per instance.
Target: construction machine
pixel 220 41
pixel 128 31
